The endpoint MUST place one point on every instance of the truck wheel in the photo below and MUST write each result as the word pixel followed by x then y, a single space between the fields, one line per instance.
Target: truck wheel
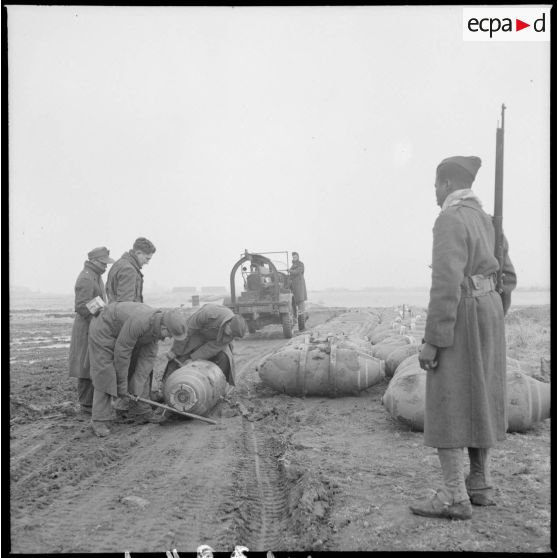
pixel 301 321
pixel 251 327
pixel 287 324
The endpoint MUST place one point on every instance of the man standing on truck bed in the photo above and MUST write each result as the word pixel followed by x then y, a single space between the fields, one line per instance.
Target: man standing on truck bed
pixel 298 285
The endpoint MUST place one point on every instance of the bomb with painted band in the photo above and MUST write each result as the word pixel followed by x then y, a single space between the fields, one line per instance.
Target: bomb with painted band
pixel 332 366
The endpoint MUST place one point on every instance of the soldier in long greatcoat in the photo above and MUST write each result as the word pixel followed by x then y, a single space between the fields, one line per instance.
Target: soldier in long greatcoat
pixel 211 332
pixel 120 329
pixel 298 285
pixel 89 285
pixel 464 349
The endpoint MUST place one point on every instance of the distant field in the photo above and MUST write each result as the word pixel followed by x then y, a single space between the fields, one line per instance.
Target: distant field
pixel 65 302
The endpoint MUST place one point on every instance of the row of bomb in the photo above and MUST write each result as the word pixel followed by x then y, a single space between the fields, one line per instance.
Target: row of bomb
pixel 528 400
pixel 337 364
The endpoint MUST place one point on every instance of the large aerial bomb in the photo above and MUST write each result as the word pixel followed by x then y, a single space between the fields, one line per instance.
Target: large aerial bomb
pixel 398 355
pixel 404 398
pixel 195 388
pixel 332 366
pixel 384 348
pixel 381 333
pixel 528 401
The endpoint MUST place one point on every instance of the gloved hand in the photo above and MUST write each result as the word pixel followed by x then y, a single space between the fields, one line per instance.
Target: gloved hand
pixel 170 355
pixel 427 357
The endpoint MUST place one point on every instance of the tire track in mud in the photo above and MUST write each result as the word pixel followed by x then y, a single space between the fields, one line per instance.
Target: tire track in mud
pixel 264 509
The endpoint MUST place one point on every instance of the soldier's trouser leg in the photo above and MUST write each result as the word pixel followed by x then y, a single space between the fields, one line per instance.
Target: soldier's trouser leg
pixel 479 481
pixel 301 306
pixel 222 361
pixel 451 460
pixel 139 384
pixel 102 408
pixel 85 393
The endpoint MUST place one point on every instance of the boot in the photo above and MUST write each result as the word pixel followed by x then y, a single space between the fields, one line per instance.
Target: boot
pixel 154 417
pixel 478 482
pixel 452 502
pixel 100 428
pixel 439 506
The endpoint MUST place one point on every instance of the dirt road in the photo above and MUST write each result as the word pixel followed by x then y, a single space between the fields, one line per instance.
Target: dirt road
pixel 276 472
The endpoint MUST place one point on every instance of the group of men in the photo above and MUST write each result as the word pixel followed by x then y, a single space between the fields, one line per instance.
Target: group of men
pixel 113 347
pixel 463 350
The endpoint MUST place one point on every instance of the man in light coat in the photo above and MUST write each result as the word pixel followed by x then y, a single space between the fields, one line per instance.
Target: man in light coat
pixel 120 329
pixel 89 285
pixel 464 346
pixel 211 332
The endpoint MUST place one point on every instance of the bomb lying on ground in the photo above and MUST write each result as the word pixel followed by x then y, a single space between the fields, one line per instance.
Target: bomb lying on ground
pixel 331 366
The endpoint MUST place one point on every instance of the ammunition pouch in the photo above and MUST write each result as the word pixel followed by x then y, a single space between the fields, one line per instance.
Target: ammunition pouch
pixel 477 285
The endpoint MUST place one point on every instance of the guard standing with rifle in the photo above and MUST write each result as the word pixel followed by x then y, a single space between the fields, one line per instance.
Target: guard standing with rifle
pixel 464 346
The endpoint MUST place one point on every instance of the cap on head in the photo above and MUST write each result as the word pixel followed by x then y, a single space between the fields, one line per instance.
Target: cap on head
pixel 175 321
pixel 471 164
pixel 146 246
pixel 238 326
pixel 100 253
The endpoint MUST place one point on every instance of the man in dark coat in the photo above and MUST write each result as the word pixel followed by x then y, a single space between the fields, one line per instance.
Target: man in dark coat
pixel 89 285
pixel 120 329
pixel 464 348
pixel 125 279
pixel 211 331
pixel 125 283
pixel 298 284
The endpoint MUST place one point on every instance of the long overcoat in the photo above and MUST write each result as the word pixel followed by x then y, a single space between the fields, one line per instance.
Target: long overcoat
pixel 466 393
pixel 89 284
pixel 113 335
pixel 125 280
pixel 206 337
pixel 298 283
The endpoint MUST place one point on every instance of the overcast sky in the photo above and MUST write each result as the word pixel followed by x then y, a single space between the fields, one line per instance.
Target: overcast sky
pixel 214 130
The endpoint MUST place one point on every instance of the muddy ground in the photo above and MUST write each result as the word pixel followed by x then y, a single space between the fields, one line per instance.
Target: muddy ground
pixel 276 473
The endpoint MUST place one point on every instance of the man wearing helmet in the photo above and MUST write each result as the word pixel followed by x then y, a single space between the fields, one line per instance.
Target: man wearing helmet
pixel 211 332
pixel 120 329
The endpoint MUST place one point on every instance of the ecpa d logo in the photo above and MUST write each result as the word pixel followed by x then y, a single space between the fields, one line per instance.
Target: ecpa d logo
pixel 506 24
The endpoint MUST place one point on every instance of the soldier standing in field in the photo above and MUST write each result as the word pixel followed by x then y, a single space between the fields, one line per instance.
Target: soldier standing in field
pixel 464 346
pixel 120 329
pixel 298 285
pixel 125 284
pixel 89 285
pixel 125 279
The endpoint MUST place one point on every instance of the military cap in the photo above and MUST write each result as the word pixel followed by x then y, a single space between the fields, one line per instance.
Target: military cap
pixel 100 253
pixel 470 164
pixel 238 326
pixel 175 321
